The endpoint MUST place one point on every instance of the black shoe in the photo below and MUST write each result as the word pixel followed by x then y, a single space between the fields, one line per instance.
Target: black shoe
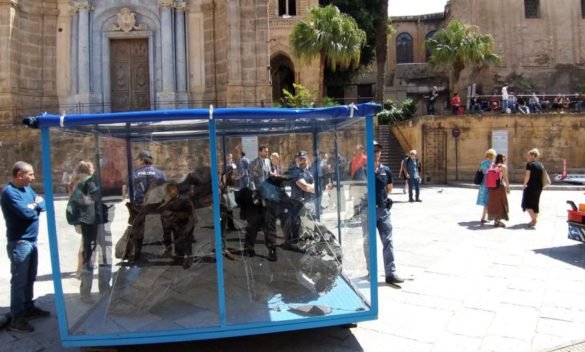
pixel 419 200
pixel 36 312
pixel 20 325
pixel 272 254
pixel 187 262
pixel 394 279
pixel 249 252
pixel 411 200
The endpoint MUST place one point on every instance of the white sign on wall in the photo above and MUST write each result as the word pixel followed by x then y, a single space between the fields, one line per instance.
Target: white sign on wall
pixel 250 147
pixel 500 142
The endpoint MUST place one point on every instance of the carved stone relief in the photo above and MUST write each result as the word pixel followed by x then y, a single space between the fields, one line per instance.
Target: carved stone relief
pixel 127 22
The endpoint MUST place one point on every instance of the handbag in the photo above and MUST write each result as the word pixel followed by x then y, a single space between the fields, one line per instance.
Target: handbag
pixel 478 178
pixel 545 178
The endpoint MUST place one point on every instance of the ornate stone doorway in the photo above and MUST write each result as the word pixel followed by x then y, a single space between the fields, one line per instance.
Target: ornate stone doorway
pixel 129 74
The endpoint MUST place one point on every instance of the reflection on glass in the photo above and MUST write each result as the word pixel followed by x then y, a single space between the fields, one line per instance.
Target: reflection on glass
pixel 290 215
pixel 137 256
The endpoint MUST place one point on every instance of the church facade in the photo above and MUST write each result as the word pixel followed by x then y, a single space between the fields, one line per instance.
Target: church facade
pixel 78 56
pixel 111 55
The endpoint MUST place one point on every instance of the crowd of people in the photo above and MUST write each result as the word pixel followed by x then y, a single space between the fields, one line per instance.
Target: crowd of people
pixel 258 188
pixel 509 102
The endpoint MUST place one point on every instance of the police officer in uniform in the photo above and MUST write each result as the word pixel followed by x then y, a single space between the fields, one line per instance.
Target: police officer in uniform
pixel 302 194
pixel 144 178
pixel 383 188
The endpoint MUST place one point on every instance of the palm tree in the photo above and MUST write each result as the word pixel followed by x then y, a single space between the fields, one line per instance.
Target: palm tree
pixel 460 45
pixel 330 35
pixel 383 30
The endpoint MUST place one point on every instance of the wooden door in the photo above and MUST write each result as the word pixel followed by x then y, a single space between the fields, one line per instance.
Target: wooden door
pixel 435 155
pixel 129 74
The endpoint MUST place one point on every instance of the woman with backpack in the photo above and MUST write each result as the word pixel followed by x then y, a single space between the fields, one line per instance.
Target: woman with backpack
pixel 83 212
pixel 497 196
pixel 482 194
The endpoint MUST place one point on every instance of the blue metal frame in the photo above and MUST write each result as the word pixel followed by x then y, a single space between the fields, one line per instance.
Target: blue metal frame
pixel 52 229
pixel 372 230
pixel 223 329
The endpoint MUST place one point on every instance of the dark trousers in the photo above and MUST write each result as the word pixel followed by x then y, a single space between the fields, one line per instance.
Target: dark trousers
pixel 89 234
pixel 256 221
pixel 431 107
pixel 183 235
pixel 24 259
pixel 414 183
pixel 275 211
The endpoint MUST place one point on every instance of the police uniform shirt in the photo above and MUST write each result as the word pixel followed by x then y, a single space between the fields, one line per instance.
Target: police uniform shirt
pixel 383 178
pixel 296 191
pixel 144 178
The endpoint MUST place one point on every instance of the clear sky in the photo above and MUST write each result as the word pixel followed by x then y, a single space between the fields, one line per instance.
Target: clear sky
pixel 415 7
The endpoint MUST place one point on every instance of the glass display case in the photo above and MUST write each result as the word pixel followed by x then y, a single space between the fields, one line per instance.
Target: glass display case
pixel 204 223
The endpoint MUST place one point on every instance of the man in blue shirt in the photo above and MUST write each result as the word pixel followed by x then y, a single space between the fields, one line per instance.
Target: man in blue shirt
pixel 383 188
pixel 21 208
pixel 412 169
pixel 242 182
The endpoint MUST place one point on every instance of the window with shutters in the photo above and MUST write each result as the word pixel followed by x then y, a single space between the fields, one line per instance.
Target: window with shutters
pixel 404 49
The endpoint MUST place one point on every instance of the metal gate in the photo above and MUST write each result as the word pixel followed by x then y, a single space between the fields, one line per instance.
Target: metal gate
pixel 129 74
pixel 434 155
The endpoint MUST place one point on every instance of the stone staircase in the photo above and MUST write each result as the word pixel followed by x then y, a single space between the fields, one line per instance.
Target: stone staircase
pixel 392 153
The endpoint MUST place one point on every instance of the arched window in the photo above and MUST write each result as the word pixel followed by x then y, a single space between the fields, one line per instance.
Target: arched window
pixel 287 7
pixel 427 50
pixel 404 51
pixel 532 8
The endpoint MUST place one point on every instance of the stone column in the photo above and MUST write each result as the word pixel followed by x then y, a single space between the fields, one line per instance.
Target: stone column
pixel 234 42
pixel 168 75
pixel 83 8
pixel 234 89
pixel 181 50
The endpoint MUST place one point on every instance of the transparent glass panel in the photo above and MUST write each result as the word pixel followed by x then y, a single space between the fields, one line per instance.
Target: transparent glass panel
pixel 149 265
pixel 296 246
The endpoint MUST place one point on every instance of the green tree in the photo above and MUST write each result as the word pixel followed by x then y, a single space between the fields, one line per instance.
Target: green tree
pixel 300 98
pixel 332 37
pixel 458 46
pixel 383 30
pixel 372 17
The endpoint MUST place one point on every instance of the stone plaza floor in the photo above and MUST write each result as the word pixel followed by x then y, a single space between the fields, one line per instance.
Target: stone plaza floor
pixel 469 287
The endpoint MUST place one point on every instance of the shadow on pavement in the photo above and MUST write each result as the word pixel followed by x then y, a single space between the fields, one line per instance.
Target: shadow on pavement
pixel 286 341
pixel 574 255
pixel 476 225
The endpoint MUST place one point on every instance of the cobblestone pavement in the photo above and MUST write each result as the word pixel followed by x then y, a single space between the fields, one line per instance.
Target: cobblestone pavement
pixel 471 287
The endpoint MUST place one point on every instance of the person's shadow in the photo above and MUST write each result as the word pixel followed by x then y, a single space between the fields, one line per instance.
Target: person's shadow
pixel 520 227
pixel 476 225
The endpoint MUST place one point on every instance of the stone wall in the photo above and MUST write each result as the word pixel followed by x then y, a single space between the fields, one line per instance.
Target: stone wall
pixel 549 50
pixel 558 137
